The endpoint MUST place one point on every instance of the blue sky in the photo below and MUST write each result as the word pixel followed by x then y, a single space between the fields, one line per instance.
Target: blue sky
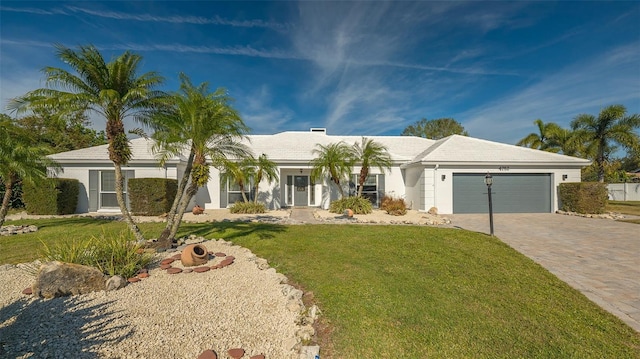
pixel 356 68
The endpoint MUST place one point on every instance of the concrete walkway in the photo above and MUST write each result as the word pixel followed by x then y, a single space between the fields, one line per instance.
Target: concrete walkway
pixel 598 257
pixel 304 215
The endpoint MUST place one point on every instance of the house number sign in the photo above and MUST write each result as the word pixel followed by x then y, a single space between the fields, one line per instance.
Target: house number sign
pixel 503 168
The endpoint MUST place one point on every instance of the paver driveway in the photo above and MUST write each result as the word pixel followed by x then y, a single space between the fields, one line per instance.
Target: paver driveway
pixel 599 257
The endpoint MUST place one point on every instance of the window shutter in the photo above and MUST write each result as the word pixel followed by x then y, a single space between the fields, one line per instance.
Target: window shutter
pixel 93 190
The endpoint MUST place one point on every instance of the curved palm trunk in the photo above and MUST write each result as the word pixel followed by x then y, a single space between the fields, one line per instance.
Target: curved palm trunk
pixel 364 172
pixel 8 192
pixel 190 191
pixel 165 239
pixel 244 196
pixel 123 205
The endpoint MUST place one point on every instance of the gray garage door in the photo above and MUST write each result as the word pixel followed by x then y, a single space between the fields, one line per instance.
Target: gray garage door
pixel 511 193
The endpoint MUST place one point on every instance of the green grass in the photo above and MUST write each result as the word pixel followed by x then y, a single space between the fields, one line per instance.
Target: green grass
pixel 624 207
pixel 407 291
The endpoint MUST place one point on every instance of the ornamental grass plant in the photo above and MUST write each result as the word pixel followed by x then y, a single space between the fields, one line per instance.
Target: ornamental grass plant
pixel 111 254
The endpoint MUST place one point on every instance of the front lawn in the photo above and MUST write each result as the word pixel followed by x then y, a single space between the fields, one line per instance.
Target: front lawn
pixel 625 207
pixel 406 291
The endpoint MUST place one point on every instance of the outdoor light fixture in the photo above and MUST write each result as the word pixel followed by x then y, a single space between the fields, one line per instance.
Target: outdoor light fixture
pixel 488 180
pixel 443 177
pixel 564 177
pixel 301 171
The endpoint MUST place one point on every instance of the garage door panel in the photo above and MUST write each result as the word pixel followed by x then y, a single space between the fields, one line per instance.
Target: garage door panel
pixel 511 193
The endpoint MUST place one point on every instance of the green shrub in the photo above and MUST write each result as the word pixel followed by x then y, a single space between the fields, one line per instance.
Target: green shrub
pixel 247 208
pixel 359 205
pixel 52 196
pixel 16 195
pixel 151 196
pixel 393 206
pixel 583 197
pixel 113 255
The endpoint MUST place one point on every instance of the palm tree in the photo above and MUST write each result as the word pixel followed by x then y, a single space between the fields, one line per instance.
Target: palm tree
pixel 239 173
pixel 112 89
pixel 334 161
pixel 265 169
pixel 601 134
pixel 20 160
pixel 205 124
pixel 543 140
pixel 370 154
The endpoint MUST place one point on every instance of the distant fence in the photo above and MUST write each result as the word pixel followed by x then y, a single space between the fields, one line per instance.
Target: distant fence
pixel 624 191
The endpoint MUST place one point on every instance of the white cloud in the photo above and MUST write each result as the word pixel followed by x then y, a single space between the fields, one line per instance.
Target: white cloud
pixel 586 87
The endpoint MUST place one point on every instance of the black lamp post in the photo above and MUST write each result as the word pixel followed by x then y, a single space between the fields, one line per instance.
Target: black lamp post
pixel 488 180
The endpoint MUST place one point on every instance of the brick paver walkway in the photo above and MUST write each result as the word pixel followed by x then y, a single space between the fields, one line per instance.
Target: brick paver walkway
pixel 599 257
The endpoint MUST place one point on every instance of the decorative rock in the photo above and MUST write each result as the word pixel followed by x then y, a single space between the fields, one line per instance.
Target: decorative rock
pixel 12 229
pixel 143 270
pixel 27 291
pixel 220 254
pixel 187 270
pixel 133 280
pixel 57 279
pixel 167 261
pixel 174 270
pixel 165 266
pixel 259 356
pixel 143 275
pixel 114 283
pixel 208 354
pixel 176 256
pixel 236 353
pixel 201 269
pixel 433 211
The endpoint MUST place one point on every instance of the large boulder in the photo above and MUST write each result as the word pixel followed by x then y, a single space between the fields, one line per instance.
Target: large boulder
pixel 57 279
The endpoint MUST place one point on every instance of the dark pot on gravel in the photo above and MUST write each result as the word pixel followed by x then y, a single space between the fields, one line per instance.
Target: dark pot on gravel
pixel 194 255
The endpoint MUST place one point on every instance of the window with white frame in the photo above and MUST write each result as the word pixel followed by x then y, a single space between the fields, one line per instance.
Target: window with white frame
pixel 372 189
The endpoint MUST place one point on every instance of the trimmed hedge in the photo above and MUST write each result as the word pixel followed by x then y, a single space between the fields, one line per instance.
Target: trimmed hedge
pixel 52 196
pixel 151 196
pixel 583 197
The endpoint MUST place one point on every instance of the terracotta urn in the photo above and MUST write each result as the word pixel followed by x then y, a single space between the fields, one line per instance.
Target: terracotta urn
pixel 194 255
pixel 348 212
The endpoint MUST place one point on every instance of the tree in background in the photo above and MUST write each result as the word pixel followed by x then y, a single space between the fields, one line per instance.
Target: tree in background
pixel 334 161
pixel 61 132
pixel 370 154
pixel 600 134
pixel 112 89
pixel 205 124
pixel 547 138
pixel 20 160
pixel 435 129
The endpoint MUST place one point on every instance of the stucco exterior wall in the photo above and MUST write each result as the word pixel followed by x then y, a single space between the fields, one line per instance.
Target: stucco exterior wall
pixel 443 189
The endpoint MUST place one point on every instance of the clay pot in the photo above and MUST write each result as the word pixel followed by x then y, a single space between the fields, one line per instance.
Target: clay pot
pixel 194 255
pixel 348 212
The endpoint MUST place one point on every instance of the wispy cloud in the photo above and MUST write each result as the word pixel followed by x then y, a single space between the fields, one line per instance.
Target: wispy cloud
pixel 584 87
pixel 115 15
pixel 198 20
pixel 261 114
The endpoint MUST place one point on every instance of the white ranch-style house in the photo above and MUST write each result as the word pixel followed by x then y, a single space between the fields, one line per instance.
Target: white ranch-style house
pixel 447 174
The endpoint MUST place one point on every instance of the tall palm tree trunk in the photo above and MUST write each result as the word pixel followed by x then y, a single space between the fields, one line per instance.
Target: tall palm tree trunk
pixel 8 192
pixel 191 191
pixel 123 204
pixel 364 172
pixel 165 239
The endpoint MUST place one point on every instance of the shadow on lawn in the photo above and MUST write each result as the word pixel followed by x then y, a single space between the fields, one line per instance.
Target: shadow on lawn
pixel 58 327
pixel 231 230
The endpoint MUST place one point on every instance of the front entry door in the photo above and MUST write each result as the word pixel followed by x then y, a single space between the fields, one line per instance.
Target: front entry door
pixel 301 191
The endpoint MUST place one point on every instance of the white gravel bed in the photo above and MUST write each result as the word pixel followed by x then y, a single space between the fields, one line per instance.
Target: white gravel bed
pixel 163 316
